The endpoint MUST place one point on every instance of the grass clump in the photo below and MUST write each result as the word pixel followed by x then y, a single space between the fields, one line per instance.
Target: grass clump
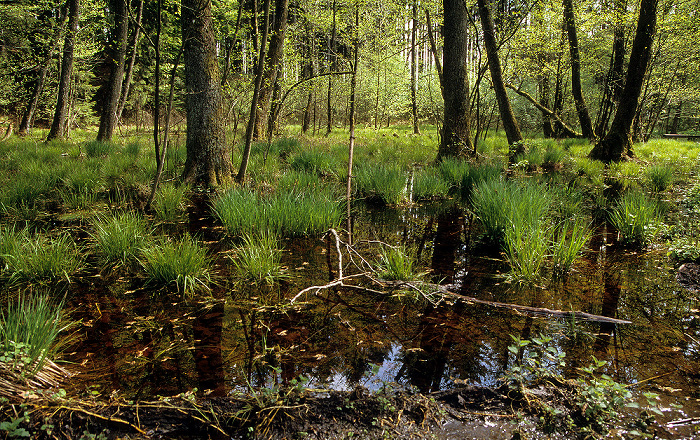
pixel 182 262
pixel 299 180
pixel 316 162
pixel 121 238
pixel 257 260
pixel 381 183
pixel 633 217
pixel 241 211
pixel 526 248
pixel 396 264
pixel 29 333
pixel 453 171
pixel 428 184
pixel 284 147
pixel 11 241
pixel 658 177
pixel 98 148
pixel 40 259
pixel 569 241
pixel 297 213
pixel 170 201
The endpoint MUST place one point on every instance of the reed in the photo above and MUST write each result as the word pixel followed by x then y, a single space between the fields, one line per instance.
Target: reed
pixel 526 248
pixel 182 262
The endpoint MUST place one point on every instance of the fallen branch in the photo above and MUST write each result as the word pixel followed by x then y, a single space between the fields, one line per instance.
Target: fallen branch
pixel 568 131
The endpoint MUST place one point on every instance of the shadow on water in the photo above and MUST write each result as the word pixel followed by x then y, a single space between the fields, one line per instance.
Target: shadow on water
pixel 341 338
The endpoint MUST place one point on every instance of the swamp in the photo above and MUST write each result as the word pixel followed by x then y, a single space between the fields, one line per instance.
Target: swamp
pixel 549 298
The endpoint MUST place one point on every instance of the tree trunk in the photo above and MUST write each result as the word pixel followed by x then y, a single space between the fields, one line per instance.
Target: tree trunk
pixel 28 116
pixel 433 49
pixel 108 117
pixel 547 128
pixel 456 130
pixel 62 101
pixel 208 157
pixel 614 80
pixel 581 108
pixel 130 67
pixel 510 125
pixel 332 60
pixel 351 145
pixel 617 144
pixel 272 68
pixel 414 70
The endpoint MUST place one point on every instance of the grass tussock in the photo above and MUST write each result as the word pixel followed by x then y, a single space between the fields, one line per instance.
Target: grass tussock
pixel 634 217
pixel 382 183
pixel 120 239
pixel 257 260
pixel 396 264
pixel 183 263
pixel 169 203
pixel 40 259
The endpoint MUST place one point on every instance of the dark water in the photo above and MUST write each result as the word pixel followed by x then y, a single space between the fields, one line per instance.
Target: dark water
pixel 243 336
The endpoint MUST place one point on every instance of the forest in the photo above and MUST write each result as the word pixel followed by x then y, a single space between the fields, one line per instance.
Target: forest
pixel 349 219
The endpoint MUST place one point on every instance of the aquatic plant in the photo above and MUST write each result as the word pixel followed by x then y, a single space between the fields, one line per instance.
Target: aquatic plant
pixel 633 217
pixel 316 162
pixel 569 241
pixel 119 239
pixel 476 175
pixel 295 213
pixel 30 328
pixel 41 259
pixel 396 264
pixel 552 156
pixel 257 260
pixel 241 211
pixel 382 183
pixel 182 262
pixel 298 180
pixel 169 202
pixel 658 177
pixel 453 171
pixel 526 248
pixel 429 184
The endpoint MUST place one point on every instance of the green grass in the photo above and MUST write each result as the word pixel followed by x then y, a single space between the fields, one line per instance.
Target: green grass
pixel 11 240
pixel 30 331
pixel 298 180
pixel 633 217
pixel 316 162
pixel 526 248
pixel 428 184
pixel 257 260
pixel 98 149
pixel 120 239
pixel 569 241
pixel 169 203
pixel 477 174
pixel 453 171
pixel 181 262
pixel 396 264
pixel 381 183
pixel 41 259
pixel 659 177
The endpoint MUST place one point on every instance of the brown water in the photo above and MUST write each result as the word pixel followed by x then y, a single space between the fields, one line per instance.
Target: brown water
pixel 146 346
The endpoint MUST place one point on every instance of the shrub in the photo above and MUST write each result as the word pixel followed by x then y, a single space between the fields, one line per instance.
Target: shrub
pixel 633 217
pixel 182 262
pixel 119 239
pixel 257 260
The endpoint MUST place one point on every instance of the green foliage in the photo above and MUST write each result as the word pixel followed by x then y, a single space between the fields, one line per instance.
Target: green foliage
pixel 570 239
pixel 428 184
pixel 120 238
pixel 98 149
pixel 298 180
pixel 257 260
pixel 454 170
pixel 11 241
pixel 476 175
pixel 382 183
pixel 241 211
pixel 685 249
pixel 396 264
pixel 316 162
pixel 526 247
pixel 634 216
pixel 41 259
pixel 658 177
pixel 552 156
pixel 169 202
pixel 29 332
pixel 284 147
pixel 182 262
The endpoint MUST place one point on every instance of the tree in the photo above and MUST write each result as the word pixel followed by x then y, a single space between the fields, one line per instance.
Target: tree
pixel 617 144
pixel 58 126
pixel 581 108
pixel 126 85
pixel 414 64
pixel 457 117
pixel 117 57
pixel 510 125
pixel 208 160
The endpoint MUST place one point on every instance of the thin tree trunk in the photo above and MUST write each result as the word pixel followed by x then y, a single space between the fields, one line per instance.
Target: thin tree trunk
pixel 130 67
pixel 351 146
pixel 108 117
pixel 28 116
pixel 256 93
pixel 433 49
pixel 510 125
pixel 614 81
pixel 156 107
pixel 617 144
pixel 331 66
pixel 581 108
pixel 414 70
pixel 62 101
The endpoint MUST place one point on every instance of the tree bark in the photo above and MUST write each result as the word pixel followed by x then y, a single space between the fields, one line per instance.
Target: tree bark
pixel 414 68
pixel 108 117
pixel 433 49
pixel 62 101
pixel 456 130
pixel 272 68
pixel 126 86
pixel 208 157
pixel 510 125
pixel 581 108
pixel 28 116
pixel 617 144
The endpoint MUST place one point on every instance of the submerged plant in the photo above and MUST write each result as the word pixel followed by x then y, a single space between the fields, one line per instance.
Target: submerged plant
pixel 257 260
pixel 121 238
pixel 183 262
pixel 634 216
